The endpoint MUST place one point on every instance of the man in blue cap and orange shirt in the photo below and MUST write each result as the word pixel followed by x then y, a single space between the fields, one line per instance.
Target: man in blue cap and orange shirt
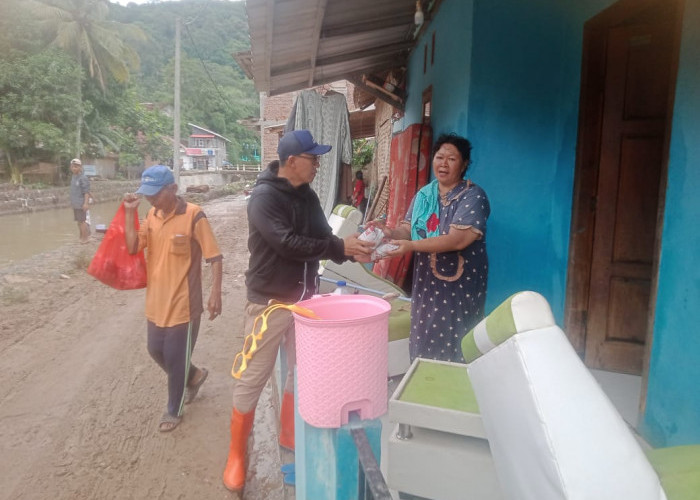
pixel 178 236
pixel 288 235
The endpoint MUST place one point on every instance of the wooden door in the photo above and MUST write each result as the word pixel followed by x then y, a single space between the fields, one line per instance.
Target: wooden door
pixel 632 59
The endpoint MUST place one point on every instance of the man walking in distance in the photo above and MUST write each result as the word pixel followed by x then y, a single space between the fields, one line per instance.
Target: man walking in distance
pixel 177 235
pixel 79 197
pixel 287 236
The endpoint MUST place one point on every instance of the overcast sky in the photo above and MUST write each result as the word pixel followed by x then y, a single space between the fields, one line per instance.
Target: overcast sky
pixel 125 2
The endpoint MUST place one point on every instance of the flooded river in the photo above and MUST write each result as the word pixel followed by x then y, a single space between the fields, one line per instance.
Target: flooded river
pixel 31 233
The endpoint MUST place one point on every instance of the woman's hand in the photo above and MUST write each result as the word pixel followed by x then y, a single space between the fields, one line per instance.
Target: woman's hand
pixel 389 232
pixel 404 246
pixel 456 239
pixel 380 223
pixel 362 259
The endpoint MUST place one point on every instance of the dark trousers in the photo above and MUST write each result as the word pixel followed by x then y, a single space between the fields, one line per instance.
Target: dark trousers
pixel 171 347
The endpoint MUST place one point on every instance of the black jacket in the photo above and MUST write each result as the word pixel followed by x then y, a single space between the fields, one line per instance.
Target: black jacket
pixel 287 236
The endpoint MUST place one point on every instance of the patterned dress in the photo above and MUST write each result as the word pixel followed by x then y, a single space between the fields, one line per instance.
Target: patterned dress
pixel 449 289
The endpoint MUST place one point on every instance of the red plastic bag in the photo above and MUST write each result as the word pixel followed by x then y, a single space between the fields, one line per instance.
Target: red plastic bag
pixel 112 263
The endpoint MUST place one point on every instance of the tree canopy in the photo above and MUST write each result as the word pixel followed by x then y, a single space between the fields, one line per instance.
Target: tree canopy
pixel 67 64
pixel 34 110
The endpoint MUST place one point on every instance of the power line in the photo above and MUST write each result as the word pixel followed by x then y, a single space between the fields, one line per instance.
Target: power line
pixel 206 70
pixel 199 13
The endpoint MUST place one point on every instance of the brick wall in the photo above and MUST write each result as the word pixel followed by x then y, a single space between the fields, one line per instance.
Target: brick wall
pixel 276 110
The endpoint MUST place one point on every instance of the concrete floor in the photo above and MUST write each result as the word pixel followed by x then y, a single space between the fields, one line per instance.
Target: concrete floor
pixel 624 391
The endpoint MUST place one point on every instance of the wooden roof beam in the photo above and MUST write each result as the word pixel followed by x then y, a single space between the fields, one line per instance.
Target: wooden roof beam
pixel 392 50
pixel 269 30
pixel 316 38
pixel 377 24
pixel 382 94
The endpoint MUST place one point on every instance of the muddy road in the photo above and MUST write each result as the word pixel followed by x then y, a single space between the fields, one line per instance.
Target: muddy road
pixel 80 398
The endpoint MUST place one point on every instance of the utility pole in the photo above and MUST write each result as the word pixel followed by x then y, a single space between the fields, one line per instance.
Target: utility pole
pixel 176 110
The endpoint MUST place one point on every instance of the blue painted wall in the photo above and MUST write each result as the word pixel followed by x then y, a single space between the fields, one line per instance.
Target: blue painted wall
pixel 672 414
pixel 507 76
pixel 449 73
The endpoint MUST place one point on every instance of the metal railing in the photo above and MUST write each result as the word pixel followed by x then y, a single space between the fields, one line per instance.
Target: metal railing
pixel 371 483
pixel 242 168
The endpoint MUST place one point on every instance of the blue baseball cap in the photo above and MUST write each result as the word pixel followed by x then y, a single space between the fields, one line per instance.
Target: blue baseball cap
pixel 299 142
pixel 155 178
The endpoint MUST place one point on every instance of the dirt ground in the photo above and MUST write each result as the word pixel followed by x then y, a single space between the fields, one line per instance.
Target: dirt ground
pixel 80 398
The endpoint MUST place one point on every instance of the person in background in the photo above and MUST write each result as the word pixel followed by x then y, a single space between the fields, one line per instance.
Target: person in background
pixel 288 235
pixel 178 236
pixel 79 198
pixel 445 226
pixel 358 193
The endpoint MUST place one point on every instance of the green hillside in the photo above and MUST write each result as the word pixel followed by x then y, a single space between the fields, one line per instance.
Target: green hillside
pixel 102 76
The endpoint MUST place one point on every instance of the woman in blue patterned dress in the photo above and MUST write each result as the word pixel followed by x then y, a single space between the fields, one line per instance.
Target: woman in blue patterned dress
pixel 445 227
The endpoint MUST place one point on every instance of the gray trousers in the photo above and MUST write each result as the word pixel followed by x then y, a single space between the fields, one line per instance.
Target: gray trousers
pixel 280 328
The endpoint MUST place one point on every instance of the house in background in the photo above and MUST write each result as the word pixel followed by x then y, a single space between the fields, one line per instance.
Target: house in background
pixel 54 174
pixel 584 121
pixel 104 167
pixel 206 150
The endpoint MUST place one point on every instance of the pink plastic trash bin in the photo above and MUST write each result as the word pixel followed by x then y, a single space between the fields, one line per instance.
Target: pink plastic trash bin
pixel 342 359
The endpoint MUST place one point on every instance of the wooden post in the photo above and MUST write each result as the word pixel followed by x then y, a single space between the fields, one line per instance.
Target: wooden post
pixel 176 105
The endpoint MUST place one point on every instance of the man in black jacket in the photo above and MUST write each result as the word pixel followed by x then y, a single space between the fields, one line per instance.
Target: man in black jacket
pixel 288 235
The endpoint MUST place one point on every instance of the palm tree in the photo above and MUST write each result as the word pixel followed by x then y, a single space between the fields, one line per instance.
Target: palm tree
pixel 81 28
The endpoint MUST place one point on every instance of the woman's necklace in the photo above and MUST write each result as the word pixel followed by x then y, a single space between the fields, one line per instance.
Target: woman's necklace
pixel 443 195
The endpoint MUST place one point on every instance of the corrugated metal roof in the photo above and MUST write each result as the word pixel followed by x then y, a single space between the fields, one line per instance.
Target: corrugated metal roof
pixel 207 131
pixel 297 44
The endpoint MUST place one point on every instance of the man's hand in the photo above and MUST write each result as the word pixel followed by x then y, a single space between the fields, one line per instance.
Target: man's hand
pixel 355 247
pixel 131 201
pixel 214 302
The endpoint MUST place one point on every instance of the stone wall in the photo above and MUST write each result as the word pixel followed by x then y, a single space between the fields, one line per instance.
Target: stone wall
pixel 18 199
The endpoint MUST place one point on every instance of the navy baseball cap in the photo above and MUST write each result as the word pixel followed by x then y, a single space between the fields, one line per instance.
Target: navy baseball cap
pixel 155 178
pixel 299 142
